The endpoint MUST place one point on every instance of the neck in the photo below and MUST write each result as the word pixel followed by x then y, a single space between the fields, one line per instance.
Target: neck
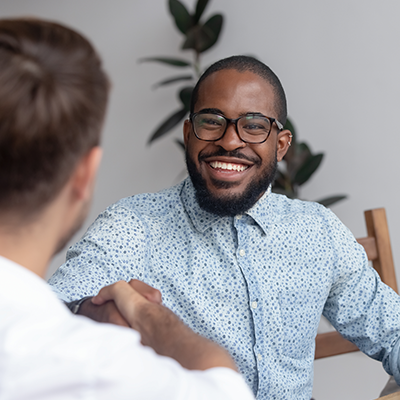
pixel 33 242
pixel 29 245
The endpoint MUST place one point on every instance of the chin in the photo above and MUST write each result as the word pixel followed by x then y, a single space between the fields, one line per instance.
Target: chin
pixel 230 198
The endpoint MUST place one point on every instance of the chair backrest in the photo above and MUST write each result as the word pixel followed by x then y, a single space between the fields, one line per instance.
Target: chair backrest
pixel 379 251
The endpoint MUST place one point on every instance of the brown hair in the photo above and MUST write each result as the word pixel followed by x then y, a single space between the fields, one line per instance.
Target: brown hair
pixel 53 95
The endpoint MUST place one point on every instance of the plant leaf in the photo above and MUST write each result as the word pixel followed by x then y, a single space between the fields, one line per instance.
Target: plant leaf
pixel 194 36
pixel 202 37
pixel 172 80
pixel 168 124
pixel 308 168
pixel 278 189
pixel 180 143
pixel 296 157
pixel 279 181
pixel 183 20
pixel 176 62
pixel 200 7
pixel 185 95
pixel 303 148
pixel 285 192
pixel 289 125
pixel 214 24
pixel 327 201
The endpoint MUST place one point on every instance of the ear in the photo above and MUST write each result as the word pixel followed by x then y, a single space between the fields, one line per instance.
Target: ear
pixel 84 176
pixel 187 128
pixel 284 140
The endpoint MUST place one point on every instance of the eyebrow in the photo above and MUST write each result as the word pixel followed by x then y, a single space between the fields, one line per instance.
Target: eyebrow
pixel 211 111
pixel 218 111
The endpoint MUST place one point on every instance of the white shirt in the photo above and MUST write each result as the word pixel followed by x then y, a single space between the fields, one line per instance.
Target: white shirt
pixel 48 353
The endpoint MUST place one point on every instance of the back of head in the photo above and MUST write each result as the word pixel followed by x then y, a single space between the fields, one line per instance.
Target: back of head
pixel 53 95
pixel 242 64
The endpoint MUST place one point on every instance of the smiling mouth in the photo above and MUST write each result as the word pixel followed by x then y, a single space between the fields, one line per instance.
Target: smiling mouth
pixel 228 166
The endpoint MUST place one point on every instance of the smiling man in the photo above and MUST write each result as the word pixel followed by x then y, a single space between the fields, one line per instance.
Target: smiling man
pixel 250 269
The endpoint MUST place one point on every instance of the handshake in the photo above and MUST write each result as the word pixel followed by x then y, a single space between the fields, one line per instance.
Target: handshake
pixel 139 306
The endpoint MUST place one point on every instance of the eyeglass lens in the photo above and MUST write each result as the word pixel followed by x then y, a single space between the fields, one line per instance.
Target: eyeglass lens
pixel 251 128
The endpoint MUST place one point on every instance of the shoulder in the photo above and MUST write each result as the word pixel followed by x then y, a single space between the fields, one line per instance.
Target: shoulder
pixel 308 216
pixel 292 209
pixel 312 219
pixel 149 204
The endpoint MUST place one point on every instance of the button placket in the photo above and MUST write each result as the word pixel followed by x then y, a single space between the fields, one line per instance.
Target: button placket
pixel 244 260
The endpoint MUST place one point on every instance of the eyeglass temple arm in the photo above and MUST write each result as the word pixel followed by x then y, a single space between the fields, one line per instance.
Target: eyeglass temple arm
pixel 278 124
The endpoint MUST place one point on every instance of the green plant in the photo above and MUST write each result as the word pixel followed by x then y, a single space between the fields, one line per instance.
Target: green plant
pixel 198 37
pixel 299 164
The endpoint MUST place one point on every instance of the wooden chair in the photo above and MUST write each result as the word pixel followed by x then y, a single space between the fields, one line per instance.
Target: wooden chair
pixel 379 251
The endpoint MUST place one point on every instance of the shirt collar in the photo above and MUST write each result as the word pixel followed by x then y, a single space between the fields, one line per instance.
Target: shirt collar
pixel 201 219
pixel 261 212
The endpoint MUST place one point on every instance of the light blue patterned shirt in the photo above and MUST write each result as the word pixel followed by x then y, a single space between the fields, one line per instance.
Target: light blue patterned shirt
pixel 257 283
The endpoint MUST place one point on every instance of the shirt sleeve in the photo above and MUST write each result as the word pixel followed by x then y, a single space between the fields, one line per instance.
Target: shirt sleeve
pixel 125 369
pixel 112 249
pixel 50 354
pixel 360 306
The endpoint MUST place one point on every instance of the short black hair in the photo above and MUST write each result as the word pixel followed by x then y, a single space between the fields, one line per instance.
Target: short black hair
pixel 242 64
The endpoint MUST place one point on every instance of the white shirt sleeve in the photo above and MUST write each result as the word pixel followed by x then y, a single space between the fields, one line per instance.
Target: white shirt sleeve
pixel 86 360
pixel 47 353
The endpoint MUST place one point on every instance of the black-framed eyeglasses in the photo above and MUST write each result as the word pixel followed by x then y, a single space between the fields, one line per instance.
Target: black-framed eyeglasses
pixel 251 128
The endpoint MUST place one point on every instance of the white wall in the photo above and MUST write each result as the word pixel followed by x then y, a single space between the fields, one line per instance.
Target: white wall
pixel 339 62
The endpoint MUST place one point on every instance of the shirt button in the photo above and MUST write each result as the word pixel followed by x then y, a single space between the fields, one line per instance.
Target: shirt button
pixel 242 252
pixel 259 356
pixel 254 304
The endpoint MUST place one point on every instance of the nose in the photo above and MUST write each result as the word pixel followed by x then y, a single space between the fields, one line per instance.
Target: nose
pixel 231 140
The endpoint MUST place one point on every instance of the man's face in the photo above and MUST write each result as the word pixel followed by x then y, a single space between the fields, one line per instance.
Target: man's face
pixel 229 173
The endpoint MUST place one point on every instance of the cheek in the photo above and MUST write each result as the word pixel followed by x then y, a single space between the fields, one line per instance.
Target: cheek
pixel 192 150
pixel 266 153
pixel 195 147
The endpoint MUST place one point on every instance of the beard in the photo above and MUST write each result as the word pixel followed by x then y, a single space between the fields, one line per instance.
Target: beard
pixel 230 205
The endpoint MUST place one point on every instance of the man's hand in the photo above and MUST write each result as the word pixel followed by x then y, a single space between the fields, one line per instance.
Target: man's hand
pixel 161 329
pixel 126 298
pixel 148 292
pixel 108 311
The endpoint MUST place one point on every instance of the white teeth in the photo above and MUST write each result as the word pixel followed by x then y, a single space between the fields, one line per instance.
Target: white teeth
pixel 228 166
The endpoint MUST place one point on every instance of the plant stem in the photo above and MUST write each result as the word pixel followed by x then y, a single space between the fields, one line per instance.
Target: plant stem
pixel 197 64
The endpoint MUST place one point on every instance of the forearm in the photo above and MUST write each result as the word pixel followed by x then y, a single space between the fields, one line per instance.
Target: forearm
pixel 168 336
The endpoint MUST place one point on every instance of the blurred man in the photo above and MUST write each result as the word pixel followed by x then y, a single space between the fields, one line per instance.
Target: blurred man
pixel 53 95
pixel 249 269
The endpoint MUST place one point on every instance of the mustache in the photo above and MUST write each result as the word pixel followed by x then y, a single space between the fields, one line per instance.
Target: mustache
pixel 234 153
